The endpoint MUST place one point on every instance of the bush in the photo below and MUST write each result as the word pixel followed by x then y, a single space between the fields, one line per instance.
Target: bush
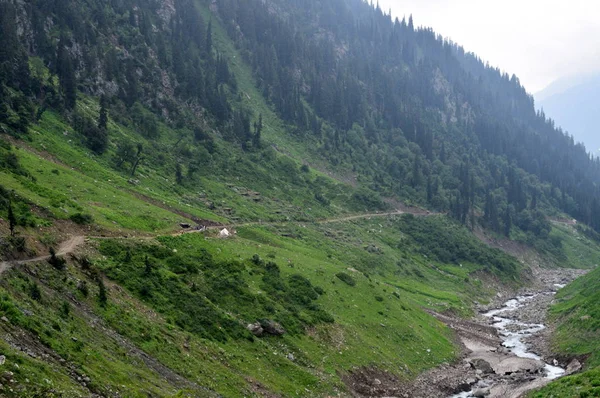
pixel 57 262
pixel 365 199
pixel 81 219
pixel 83 288
pixel 322 199
pixel 347 279
pixel 35 292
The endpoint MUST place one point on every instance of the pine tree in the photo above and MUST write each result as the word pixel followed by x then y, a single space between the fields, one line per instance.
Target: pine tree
pixel 102 295
pixel 103 117
pixel 507 221
pixel 258 126
pixel 66 74
pixel 178 174
pixel 147 266
pixel 138 159
pixel 12 220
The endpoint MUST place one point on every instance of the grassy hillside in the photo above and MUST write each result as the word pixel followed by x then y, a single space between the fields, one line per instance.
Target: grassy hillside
pixel 350 295
pixel 337 283
pixel 577 314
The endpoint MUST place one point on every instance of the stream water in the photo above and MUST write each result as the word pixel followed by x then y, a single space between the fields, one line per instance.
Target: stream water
pixel 513 332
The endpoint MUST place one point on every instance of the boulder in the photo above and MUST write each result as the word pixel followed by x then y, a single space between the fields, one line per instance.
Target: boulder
pixel 255 329
pixel 573 367
pixel 481 392
pixel 272 328
pixel 512 365
pixel 483 365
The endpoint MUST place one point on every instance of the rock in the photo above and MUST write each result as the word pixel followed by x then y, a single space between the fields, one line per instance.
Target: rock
pixel 272 328
pixel 481 392
pixel 573 367
pixel 377 382
pixel 291 357
pixel 255 329
pixel 483 365
pixel 462 387
pixel 515 364
pixel 2 360
pixel 5 319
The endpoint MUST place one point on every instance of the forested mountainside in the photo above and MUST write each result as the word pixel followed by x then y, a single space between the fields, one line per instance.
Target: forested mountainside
pixel 413 115
pixel 382 85
pixel 307 128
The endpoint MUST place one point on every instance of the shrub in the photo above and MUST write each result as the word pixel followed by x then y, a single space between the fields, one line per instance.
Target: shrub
pixel 35 292
pixel 57 262
pixel 83 288
pixel 102 296
pixel 81 219
pixel 347 279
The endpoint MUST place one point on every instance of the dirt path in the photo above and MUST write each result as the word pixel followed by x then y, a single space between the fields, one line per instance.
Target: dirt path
pixel 69 246
pixel 409 210
pixel 65 248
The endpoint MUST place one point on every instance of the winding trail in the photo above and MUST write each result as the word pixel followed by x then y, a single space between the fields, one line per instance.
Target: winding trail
pixel 69 246
pixel 412 210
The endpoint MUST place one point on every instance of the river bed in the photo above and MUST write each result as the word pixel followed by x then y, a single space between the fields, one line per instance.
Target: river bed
pixel 513 333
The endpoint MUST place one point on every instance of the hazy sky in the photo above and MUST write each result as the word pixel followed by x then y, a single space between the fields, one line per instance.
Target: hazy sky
pixel 538 40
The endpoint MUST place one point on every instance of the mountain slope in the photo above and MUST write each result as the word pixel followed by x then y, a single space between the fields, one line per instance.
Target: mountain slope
pixel 299 126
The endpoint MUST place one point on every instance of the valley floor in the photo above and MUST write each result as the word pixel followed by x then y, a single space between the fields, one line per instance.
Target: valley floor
pixel 487 367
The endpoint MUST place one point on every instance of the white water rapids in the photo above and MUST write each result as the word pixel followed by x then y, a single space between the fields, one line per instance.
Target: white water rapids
pixel 513 332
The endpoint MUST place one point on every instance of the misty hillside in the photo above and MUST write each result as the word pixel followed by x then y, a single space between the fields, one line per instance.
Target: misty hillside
pixel 266 198
pixel 574 108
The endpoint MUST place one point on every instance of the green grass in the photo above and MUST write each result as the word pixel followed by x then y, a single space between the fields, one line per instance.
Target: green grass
pixel 186 300
pixel 189 307
pixel 583 385
pixel 577 315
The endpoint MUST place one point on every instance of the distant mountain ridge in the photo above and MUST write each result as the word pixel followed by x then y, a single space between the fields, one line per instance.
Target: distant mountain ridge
pixel 573 104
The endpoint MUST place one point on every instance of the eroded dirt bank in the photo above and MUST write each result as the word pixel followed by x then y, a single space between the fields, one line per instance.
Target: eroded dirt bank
pixel 487 367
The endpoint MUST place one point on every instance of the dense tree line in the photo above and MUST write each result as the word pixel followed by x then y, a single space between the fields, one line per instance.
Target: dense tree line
pixel 135 54
pixel 413 113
